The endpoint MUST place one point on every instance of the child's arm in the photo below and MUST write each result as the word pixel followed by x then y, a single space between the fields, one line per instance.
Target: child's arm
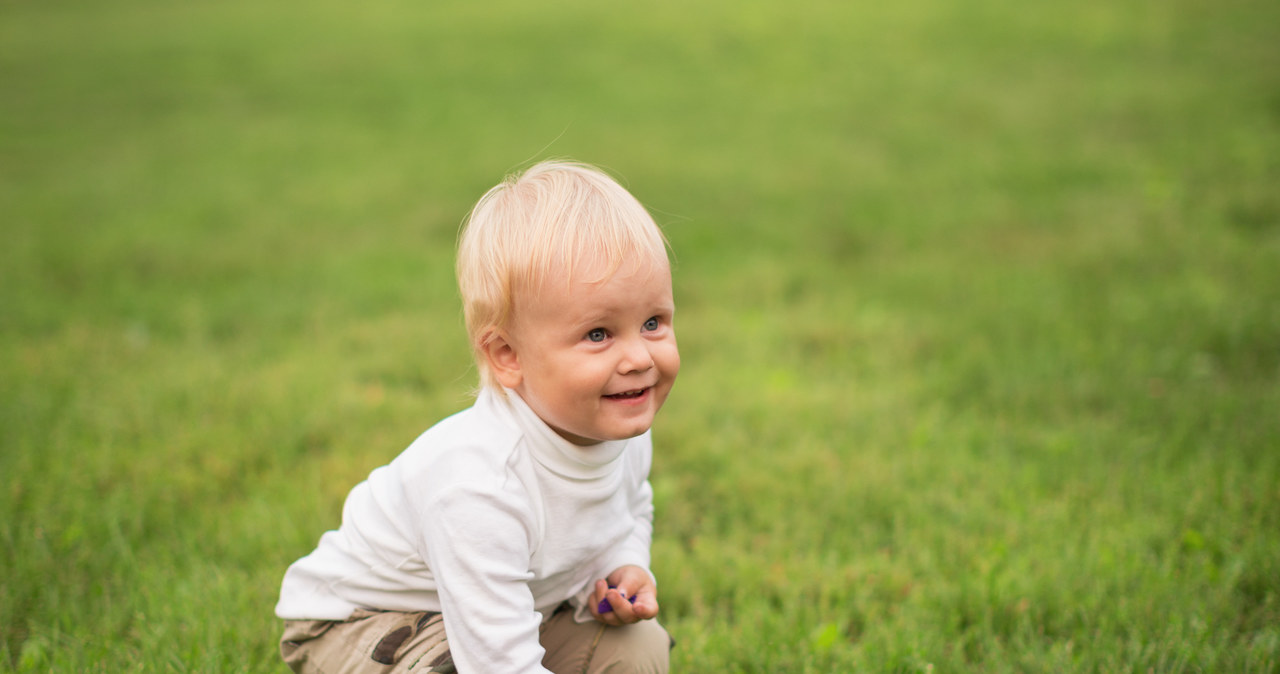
pixel 630 560
pixel 479 553
pixel 631 594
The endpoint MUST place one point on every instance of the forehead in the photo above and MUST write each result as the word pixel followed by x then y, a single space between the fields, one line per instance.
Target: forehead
pixel 595 286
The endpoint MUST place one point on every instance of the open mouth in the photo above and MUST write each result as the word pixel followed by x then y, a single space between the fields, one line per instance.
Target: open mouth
pixel 628 395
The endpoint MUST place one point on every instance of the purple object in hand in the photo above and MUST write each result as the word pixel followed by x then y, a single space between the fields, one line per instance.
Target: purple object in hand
pixel 605 607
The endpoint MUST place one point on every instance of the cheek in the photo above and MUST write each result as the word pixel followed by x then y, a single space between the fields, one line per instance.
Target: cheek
pixel 668 359
pixel 578 379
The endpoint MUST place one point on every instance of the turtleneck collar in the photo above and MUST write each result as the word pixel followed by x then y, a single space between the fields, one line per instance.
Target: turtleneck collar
pixel 579 462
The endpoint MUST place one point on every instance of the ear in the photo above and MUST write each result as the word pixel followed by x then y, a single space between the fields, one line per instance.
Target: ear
pixel 500 354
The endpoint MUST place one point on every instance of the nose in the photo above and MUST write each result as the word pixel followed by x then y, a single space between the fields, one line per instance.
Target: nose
pixel 635 357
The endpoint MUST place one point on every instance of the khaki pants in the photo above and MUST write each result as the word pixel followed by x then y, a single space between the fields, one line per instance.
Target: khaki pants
pixel 389 641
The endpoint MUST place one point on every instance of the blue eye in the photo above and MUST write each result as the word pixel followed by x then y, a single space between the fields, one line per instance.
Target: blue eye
pixel 651 324
pixel 597 335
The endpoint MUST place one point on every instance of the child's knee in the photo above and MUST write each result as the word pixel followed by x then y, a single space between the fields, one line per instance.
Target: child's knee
pixel 640 648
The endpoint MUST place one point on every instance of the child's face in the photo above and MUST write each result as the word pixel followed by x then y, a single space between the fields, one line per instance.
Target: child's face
pixel 596 361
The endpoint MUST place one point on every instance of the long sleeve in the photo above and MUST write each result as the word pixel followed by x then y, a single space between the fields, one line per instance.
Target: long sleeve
pixel 483 575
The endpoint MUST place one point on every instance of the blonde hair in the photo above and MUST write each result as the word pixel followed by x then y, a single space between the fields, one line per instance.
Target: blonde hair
pixel 550 220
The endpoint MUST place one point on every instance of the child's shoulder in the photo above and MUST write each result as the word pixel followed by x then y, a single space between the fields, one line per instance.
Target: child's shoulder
pixel 472 441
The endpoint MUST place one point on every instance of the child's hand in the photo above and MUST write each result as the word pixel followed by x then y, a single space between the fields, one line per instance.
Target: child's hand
pixel 630 592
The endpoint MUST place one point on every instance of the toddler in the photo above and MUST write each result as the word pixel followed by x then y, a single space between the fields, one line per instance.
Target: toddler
pixel 514 535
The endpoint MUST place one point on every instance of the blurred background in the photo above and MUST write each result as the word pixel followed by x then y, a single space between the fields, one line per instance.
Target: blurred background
pixel 979 306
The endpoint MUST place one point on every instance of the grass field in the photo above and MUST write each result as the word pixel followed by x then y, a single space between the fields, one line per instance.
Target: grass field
pixel 979 305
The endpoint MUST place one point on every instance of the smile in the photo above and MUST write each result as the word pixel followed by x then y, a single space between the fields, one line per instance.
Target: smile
pixel 628 395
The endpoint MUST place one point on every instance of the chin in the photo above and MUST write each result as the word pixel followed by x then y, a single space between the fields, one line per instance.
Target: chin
pixel 627 434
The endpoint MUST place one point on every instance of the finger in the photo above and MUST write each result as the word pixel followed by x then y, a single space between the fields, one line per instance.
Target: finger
pixel 600 599
pixel 622 608
pixel 645 606
pixel 608 613
pixel 645 602
pixel 598 605
pixel 610 608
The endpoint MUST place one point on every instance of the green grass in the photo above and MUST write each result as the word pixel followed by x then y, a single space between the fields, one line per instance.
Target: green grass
pixel 979 306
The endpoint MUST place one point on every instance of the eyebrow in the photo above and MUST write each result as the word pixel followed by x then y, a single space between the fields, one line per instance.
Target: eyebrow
pixel 602 318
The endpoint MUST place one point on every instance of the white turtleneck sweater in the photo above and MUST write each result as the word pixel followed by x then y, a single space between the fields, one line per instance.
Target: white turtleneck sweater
pixel 490 518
